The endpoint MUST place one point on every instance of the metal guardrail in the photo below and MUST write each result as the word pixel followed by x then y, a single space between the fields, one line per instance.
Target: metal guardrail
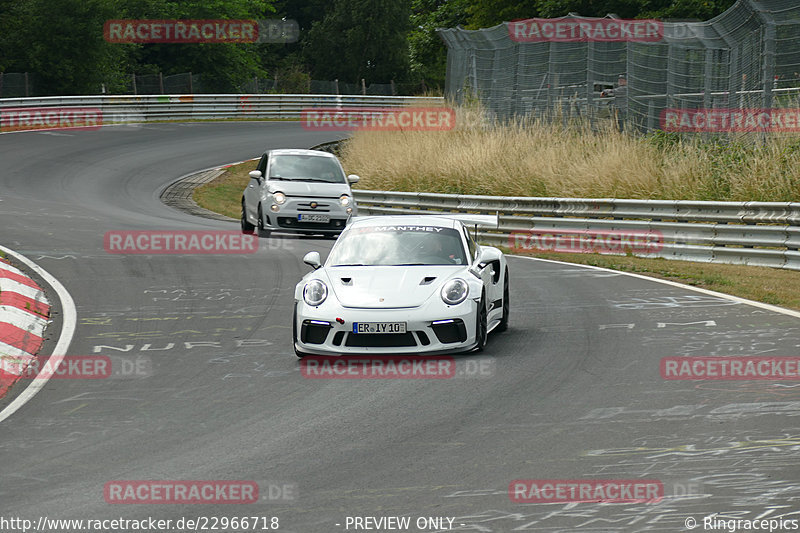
pixel 145 108
pixel 751 233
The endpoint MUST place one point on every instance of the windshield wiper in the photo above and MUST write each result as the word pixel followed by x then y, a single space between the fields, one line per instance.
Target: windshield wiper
pixel 411 264
pixel 350 265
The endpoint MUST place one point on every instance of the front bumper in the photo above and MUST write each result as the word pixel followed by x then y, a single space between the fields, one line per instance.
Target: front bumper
pixel 286 217
pixel 434 328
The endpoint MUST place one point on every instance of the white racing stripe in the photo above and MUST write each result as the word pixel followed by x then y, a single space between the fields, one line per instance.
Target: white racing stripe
pixel 13 270
pixel 11 285
pixel 70 319
pixel 23 320
pixel 11 351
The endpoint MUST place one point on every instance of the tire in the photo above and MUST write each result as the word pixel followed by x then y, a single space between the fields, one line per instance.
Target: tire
pixel 262 231
pixel 503 325
pixel 297 352
pixel 247 227
pixel 481 326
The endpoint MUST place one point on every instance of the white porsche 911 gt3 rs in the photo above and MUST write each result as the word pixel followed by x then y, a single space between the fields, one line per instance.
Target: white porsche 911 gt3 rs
pixel 410 284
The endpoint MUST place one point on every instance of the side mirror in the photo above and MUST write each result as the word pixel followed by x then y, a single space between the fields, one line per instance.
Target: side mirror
pixel 353 178
pixel 313 260
pixel 255 174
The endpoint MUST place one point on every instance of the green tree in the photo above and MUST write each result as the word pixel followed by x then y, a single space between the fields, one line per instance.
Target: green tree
pixel 428 53
pixel 361 39
pixel 223 66
pixel 62 43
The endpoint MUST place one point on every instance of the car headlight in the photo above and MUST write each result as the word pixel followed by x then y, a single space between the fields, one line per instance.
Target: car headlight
pixel 279 198
pixel 315 292
pixel 344 200
pixel 455 291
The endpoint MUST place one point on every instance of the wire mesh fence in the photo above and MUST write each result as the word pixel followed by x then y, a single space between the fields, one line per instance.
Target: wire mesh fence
pixel 745 59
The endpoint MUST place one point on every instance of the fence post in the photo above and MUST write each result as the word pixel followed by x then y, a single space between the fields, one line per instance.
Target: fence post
pixel 133 79
pixel 336 85
pixel 26 85
pixel 768 74
pixel 160 83
pixel 191 88
pixel 1 84
pixel 590 70
pixel 394 92
pixel 363 88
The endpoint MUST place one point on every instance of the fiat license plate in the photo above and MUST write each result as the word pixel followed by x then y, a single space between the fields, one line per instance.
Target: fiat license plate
pixel 314 218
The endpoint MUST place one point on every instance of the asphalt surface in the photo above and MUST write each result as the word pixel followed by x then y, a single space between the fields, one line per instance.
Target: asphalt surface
pixel 571 391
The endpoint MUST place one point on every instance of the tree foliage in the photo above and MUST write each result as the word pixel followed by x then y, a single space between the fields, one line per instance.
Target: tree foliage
pixel 61 41
pixel 361 39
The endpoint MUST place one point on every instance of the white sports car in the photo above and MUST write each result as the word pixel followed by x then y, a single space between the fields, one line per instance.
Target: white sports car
pixel 410 284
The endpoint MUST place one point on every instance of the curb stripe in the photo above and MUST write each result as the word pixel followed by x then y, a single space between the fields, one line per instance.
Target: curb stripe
pixel 19 338
pixel 7 274
pixel 24 303
pixel 10 351
pixel 10 268
pixel 68 326
pixel 34 293
pixel 23 320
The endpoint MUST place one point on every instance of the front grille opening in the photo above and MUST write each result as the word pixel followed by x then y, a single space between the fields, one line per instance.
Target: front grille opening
pixel 450 331
pixel 423 338
pixel 314 333
pixel 337 339
pixel 380 340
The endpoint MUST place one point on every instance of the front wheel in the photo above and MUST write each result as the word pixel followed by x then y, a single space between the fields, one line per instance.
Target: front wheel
pixel 247 227
pixel 481 328
pixel 503 325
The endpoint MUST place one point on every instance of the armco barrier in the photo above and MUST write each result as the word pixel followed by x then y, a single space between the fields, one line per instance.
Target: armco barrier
pixel 117 109
pixel 749 233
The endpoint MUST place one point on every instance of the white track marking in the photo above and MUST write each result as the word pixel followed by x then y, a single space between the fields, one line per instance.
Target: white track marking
pixel 767 307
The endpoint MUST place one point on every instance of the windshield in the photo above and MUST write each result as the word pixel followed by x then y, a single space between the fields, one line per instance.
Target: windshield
pixel 305 168
pixel 398 245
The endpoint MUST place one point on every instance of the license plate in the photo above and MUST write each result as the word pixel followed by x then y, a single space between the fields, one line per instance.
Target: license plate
pixel 314 218
pixel 379 327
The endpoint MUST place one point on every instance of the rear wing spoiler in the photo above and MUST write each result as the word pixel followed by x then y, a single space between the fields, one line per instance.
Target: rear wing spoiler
pixel 488 221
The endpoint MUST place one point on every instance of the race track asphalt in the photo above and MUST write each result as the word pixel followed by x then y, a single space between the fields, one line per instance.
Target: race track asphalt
pixel 571 391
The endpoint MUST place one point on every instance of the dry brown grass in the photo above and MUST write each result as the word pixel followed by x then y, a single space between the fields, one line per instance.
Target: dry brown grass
pixel 532 158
